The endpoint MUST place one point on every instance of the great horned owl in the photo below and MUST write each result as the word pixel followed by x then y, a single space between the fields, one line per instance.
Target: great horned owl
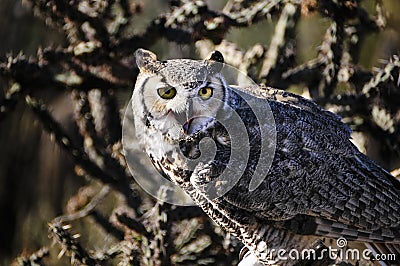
pixel 317 183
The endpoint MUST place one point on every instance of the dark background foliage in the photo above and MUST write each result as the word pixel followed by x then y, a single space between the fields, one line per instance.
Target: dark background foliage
pixel 66 74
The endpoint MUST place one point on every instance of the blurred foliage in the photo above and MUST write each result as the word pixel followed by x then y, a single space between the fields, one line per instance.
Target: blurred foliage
pixel 62 170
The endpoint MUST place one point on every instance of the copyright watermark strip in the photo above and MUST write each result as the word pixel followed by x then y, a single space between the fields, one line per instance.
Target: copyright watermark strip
pixel 341 252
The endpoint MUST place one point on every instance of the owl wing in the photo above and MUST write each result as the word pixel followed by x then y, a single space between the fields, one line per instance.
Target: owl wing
pixel 319 183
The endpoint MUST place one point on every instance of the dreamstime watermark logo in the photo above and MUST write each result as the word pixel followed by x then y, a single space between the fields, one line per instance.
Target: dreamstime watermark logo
pixel 341 242
pixel 339 253
pixel 214 111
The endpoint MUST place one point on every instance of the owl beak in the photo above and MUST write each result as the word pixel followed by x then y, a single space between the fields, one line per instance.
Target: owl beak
pixel 184 120
pixel 186 127
pixel 189 119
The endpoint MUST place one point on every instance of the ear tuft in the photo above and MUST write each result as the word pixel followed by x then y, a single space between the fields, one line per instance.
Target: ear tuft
pixel 144 58
pixel 216 61
pixel 217 57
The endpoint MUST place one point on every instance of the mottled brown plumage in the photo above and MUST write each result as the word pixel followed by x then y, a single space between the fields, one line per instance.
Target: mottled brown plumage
pixel 319 184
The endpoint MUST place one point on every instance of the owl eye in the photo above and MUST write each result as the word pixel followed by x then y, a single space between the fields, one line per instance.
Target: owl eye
pixel 167 92
pixel 205 93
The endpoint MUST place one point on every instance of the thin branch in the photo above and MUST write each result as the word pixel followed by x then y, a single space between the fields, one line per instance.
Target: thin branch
pixel 280 55
pixel 133 224
pixel 87 210
pixel 79 156
pixel 120 183
pixel 36 259
pixel 389 74
pixel 331 52
pixel 396 173
pixel 10 100
pixel 70 244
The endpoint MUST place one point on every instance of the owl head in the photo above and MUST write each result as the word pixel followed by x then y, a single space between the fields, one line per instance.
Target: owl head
pixel 179 96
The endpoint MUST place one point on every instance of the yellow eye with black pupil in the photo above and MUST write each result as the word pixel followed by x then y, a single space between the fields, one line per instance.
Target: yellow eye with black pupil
pixel 166 93
pixel 205 93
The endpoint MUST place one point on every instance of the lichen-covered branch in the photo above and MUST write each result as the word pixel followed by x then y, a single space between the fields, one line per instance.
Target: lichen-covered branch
pixel 280 55
pixel 80 157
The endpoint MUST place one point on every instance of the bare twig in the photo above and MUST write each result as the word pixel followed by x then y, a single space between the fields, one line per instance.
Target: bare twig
pixel 36 259
pixel 87 210
pixel 10 100
pixel 79 156
pixel 282 47
pixel 70 244
pixel 396 173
